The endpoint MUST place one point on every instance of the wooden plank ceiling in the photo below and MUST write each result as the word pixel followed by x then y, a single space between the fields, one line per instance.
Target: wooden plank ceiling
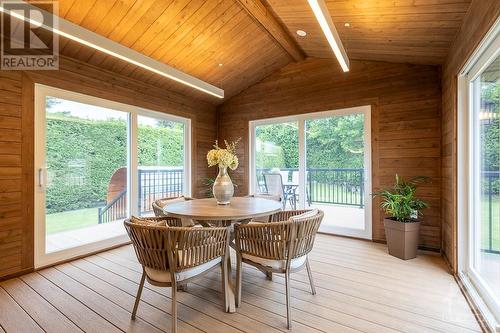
pixel 413 31
pixel 236 43
pixel 194 36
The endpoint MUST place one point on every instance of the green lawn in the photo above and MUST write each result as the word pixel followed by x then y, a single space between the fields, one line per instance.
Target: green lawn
pixel 322 192
pixel 71 220
pixel 495 210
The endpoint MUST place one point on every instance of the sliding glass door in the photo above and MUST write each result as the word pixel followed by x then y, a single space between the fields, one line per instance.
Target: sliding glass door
pixel 323 160
pixel 479 177
pixel 96 163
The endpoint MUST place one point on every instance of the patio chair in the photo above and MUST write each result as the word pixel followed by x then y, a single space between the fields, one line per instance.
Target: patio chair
pixel 275 187
pixel 159 204
pixel 278 247
pixel 284 175
pixel 176 255
pixel 296 180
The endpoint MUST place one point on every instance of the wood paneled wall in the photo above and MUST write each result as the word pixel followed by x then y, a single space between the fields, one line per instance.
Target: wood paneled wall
pixel 16 142
pixel 478 20
pixel 406 121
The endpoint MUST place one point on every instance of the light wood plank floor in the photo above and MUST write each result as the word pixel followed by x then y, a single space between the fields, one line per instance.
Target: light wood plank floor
pixel 360 289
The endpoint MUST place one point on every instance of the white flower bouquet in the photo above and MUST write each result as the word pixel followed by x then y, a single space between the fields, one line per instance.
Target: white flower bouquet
pixel 224 157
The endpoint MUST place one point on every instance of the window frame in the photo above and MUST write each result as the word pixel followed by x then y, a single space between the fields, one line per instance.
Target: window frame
pixel 42 258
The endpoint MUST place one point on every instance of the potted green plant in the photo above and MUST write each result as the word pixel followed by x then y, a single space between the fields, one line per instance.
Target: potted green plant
pixel 402 209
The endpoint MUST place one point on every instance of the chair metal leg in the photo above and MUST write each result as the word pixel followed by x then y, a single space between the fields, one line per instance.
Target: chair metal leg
pixel 223 277
pixel 239 266
pixel 174 307
pixel 288 305
pixel 311 280
pixel 138 297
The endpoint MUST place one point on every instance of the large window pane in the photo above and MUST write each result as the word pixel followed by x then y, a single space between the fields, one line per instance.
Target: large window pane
pixel 335 169
pixel 86 163
pixel 160 145
pixel 487 222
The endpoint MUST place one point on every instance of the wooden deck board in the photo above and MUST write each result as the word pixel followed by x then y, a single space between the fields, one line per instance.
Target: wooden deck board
pixel 38 308
pixel 12 316
pixel 360 289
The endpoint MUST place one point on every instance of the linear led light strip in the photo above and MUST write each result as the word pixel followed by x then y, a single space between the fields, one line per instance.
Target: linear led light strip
pixel 325 21
pixel 98 42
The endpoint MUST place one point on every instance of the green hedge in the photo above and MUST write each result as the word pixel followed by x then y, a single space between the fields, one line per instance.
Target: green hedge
pixel 334 142
pixel 82 155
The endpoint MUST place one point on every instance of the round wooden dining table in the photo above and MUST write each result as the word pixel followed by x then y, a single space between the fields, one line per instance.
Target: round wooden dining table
pixel 240 210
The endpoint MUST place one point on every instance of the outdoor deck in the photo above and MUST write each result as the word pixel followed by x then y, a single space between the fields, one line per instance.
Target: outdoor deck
pixel 354 295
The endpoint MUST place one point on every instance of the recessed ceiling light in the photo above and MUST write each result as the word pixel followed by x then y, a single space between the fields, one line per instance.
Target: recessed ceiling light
pixel 220 65
pixel 347 25
pixel 301 33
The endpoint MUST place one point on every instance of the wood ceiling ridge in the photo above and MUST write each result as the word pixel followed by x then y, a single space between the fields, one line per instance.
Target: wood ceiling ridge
pixel 263 14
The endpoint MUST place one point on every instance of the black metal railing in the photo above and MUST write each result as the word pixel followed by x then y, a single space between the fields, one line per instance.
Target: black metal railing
pixel 115 209
pixel 153 185
pixel 157 184
pixel 325 185
pixel 490 185
pixel 336 186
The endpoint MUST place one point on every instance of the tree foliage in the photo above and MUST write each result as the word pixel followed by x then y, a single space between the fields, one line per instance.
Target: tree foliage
pixel 334 142
pixel 490 135
pixel 82 155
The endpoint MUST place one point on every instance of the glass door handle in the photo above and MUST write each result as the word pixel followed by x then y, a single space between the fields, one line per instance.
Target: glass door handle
pixel 41 180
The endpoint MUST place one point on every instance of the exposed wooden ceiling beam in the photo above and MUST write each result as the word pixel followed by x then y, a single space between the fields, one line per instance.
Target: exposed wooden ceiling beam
pixel 261 14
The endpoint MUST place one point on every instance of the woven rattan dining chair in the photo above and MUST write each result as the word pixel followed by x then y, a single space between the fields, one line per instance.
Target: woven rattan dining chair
pixel 175 255
pixel 159 204
pixel 278 247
